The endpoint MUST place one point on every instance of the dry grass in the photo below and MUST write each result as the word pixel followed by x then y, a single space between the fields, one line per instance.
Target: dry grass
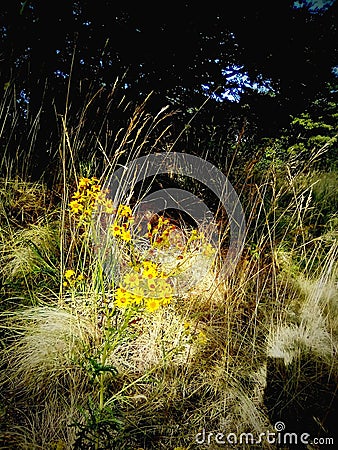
pixel 199 363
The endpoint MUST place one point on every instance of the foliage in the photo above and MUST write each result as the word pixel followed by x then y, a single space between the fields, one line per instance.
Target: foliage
pixel 133 344
pixel 310 140
pixel 172 53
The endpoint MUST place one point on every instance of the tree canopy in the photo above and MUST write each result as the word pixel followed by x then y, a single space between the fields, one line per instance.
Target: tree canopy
pixel 263 61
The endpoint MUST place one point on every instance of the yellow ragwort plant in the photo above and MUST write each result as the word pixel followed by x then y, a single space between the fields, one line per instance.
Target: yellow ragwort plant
pixel 88 197
pixel 148 281
pixel 144 285
pixel 147 284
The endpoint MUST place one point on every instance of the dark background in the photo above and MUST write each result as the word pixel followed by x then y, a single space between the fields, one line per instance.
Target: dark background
pixel 56 55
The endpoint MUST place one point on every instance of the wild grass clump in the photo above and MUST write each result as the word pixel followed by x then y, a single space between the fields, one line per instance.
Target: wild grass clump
pixel 43 362
pixel 30 261
pixel 29 241
pixel 22 202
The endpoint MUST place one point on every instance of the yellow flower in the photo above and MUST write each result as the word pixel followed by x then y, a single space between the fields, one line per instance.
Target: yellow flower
pixel 149 270
pixel 152 304
pixel 136 300
pixel 149 265
pixel 125 235
pixel 96 188
pixel 152 285
pixel 108 206
pixel 116 229
pixel 84 182
pixel 69 274
pixel 80 277
pixel 91 195
pixel 194 234
pixel 122 302
pixel 122 298
pixel 77 195
pixel 126 225
pixel 187 327
pixel 87 212
pixel 149 274
pixel 75 206
pixel 96 198
pixel 202 338
pixel 165 301
pixel 131 279
pixel 124 211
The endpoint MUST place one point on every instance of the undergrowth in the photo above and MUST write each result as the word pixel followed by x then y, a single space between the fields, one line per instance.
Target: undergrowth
pixel 124 340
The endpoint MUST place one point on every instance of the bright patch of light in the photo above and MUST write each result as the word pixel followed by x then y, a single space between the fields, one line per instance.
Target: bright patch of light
pixel 236 83
pixel 23 102
pixel 24 97
pixel 61 74
pixel 314 5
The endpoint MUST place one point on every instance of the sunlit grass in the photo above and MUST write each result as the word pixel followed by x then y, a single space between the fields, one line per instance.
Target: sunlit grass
pixel 101 350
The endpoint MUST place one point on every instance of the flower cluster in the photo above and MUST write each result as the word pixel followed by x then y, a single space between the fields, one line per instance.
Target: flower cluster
pixel 165 252
pixel 165 235
pixel 87 198
pixel 144 286
pixel 71 278
pixel 161 235
pixel 121 227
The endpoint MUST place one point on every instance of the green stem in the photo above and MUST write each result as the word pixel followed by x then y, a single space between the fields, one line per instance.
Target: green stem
pixel 102 375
